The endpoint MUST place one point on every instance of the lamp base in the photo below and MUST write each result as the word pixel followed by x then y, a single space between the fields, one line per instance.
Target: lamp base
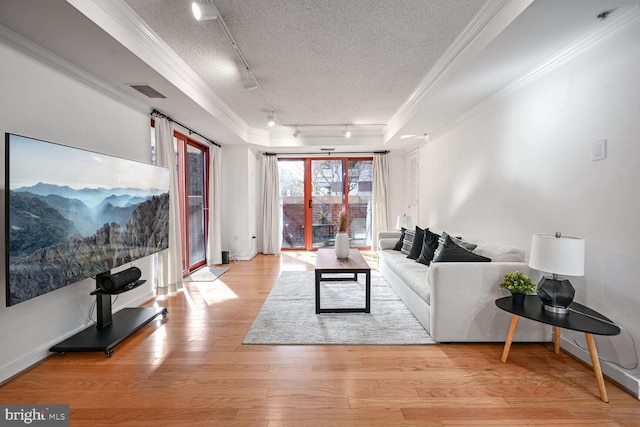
pixel 556 294
pixel 556 310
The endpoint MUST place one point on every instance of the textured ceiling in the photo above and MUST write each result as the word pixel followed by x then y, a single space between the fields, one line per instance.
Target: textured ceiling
pixel 328 61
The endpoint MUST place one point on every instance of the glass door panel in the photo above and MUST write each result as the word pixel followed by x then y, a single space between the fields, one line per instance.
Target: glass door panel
pixel 291 174
pixel 360 180
pixel 326 200
pixel 196 205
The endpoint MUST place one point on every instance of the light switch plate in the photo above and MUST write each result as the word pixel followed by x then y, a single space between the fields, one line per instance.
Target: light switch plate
pixel 599 150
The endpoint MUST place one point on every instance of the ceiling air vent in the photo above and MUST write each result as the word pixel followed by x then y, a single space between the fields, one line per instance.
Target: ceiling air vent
pixel 148 91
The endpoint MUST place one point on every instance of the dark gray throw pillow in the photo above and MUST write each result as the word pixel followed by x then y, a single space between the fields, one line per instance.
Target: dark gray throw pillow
pixel 450 251
pixel 429 245
pixel 407 241
pixel 416 245
pixel 466 245
pixel 398 245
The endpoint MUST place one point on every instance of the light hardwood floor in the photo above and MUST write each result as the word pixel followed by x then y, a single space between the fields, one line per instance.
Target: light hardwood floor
pixel 191 369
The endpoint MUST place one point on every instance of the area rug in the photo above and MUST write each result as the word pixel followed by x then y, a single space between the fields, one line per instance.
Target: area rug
pixel 288 315
pixel 207 274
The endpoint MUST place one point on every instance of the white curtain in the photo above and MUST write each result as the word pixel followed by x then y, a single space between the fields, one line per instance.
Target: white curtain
pixel 214 240
pixel 270 205
pixel 170 262
pixel 380 191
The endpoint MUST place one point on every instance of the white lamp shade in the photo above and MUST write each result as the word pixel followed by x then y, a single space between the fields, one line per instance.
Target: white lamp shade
pixel 403 222
pixel 558 255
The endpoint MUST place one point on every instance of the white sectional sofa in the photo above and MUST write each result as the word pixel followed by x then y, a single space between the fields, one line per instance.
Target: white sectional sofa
pixel 455 301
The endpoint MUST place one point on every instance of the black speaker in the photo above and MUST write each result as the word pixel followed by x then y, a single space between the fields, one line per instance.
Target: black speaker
pixel 121 279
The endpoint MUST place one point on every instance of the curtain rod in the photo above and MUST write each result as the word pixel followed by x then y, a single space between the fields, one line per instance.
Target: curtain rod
pixel 326 153
pixel 186 127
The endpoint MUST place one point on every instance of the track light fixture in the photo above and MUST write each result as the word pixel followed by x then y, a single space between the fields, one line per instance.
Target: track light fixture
pixel 347 132
pixel 271 121
pixel 296 133
pixel 204 11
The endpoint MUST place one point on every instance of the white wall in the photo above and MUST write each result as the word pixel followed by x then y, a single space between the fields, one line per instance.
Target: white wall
pixel 524 166
pixel 40 102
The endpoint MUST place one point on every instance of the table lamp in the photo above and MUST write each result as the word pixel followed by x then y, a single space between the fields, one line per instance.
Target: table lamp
pixel 557 254
pixel 403 221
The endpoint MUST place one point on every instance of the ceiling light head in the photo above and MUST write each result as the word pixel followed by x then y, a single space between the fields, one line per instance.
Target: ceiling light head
pixel 296 133
pixel 204 11
pixel 347 132
pixel 271 121
pixel 249 84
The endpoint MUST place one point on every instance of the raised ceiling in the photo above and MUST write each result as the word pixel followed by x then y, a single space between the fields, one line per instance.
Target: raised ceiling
pixel 415 66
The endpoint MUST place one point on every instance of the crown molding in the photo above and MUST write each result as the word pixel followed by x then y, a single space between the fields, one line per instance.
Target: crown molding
pixel 614 25
pixel 41 54
pixel 122 23
pixel 489 22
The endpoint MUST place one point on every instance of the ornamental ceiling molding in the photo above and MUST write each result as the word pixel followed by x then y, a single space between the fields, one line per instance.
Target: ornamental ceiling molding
pixel 121 22
pixel 41 54
pixel 615 25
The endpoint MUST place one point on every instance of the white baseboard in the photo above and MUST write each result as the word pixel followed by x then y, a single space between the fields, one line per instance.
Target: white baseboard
pixel 627 381
pixel 37 355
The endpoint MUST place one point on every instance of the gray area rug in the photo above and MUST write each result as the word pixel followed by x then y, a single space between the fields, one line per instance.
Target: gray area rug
pixel 288 315
pixel 207 274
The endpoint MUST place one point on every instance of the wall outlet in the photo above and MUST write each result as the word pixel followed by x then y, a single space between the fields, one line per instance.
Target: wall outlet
pixel 599 150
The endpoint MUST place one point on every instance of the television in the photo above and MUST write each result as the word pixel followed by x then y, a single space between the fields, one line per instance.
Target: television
pixel 71 214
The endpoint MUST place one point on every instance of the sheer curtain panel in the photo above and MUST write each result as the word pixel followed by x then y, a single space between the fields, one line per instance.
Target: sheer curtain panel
pixel 170 263
pixel 214 240
pixel 379 198
pixel 270 206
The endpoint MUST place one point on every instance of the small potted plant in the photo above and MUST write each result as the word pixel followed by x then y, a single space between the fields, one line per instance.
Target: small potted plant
pixel 322 216
pixel 519 285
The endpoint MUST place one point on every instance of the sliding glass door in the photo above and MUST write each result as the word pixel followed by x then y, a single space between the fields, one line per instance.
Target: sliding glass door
pixel 314 191
pixel 326 200
pixel 292 202
pixel 193 160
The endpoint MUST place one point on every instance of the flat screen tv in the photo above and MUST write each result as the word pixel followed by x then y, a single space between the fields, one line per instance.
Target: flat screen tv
pixel 71 214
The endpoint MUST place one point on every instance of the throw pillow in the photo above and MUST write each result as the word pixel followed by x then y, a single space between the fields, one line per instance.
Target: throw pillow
pixel 416 245
pixel 398 245
pixel 450 251
pixel 407 241
pixel 466 245
pixel 429 246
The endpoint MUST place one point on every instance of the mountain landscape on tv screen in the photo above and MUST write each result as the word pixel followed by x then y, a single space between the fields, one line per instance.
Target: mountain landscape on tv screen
pixel 59 235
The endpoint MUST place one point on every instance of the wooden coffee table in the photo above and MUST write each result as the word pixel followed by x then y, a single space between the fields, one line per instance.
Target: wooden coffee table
pixel 327 263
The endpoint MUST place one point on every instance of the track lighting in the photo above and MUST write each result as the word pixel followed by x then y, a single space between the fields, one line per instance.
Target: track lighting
pixel 347 132
pixel 204 11
pixel 296 133
pixel 271 120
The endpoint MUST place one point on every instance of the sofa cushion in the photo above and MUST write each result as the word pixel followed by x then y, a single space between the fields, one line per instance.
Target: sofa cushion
pixel 429 246
pixel 413 274
pixel 450 251
pixel 499 253
pixel 416 245
pixel 398 245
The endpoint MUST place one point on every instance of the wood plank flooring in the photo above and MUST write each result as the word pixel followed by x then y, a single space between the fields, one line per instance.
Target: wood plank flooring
pixel 191 369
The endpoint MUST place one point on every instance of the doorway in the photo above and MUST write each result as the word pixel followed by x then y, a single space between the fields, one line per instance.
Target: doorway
pixel 313 192
pixel 193 166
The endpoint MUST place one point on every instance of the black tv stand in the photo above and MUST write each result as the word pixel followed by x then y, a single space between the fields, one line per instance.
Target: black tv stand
pixel 110 329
